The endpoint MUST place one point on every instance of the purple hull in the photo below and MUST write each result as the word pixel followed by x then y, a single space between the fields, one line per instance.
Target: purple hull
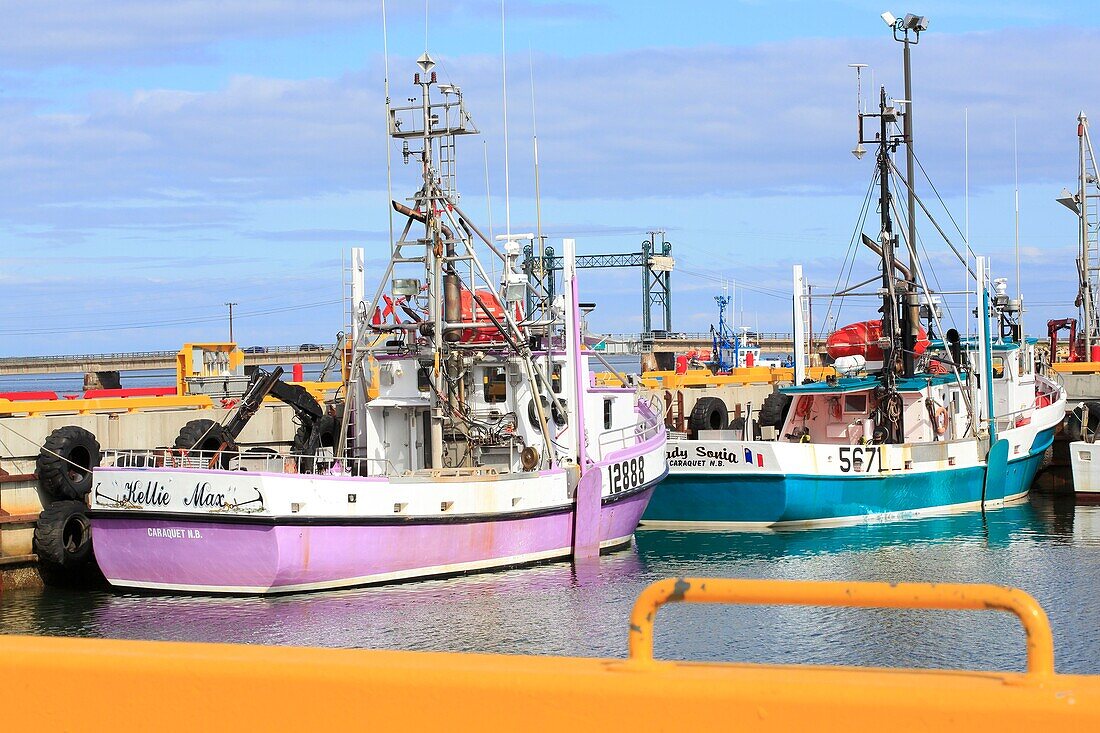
pixel 231 557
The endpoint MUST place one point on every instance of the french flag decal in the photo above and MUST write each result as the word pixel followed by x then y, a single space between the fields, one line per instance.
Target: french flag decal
pixel 749 458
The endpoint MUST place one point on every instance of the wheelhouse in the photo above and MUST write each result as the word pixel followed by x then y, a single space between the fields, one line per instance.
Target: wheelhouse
pixel 844 411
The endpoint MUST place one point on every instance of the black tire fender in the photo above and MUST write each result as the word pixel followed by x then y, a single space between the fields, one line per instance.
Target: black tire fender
pixel 63 535
pixel 557 411
pixel 533 413
pixel 66 461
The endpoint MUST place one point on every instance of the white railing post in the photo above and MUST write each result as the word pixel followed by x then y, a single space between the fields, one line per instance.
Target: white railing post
pixel 799 336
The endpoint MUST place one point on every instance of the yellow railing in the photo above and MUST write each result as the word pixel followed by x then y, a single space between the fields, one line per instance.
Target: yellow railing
pixel 941 596
pixel 112 685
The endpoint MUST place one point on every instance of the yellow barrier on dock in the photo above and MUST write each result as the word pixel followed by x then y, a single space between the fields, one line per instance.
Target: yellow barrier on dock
pixel 1075 367
pixel 704 378
pixel 95 684
pixel 32 408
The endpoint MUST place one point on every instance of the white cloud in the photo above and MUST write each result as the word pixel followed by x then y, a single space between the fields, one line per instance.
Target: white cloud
pixel 140 32
pixel 662 122
pixel 657 127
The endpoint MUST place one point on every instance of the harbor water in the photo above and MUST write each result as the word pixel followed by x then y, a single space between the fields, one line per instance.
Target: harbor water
pixel 1049 547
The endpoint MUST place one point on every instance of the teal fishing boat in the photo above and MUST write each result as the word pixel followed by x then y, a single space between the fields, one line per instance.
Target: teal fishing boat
pixel 918 420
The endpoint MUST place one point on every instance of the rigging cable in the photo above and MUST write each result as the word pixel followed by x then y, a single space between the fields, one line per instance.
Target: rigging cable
pixel 850 256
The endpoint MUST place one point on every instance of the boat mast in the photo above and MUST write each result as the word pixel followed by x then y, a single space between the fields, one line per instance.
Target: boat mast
pixel 900 307
pixel 434 253
pixel 907 31
pixel 887 242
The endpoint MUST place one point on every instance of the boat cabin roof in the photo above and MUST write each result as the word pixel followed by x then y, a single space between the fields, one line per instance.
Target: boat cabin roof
pixel 861 384
pixel 972 344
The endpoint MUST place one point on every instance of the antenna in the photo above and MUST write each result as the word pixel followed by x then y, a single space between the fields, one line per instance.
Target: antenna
pixel 535 143
pixel 1016 166
pixel 488 191
pixel 504 88
pixel 742 304
pixel 489 200
pixel 389 142
pixel 859 150
pixel 733 300
pixel 966 219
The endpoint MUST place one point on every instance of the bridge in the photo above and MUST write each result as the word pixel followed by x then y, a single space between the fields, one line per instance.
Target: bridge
pixel 632 343
pixel 145 360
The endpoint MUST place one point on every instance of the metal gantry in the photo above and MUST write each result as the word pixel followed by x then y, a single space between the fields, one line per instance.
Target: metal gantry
pixel 1084 204
pixel 656 262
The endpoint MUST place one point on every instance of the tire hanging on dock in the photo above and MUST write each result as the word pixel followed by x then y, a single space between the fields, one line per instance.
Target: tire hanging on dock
pixel 709 413
pixel 206 436
pixel 66 461
pixel 310 439
pixel 774 410
pixel 63 536
pixel 1075 427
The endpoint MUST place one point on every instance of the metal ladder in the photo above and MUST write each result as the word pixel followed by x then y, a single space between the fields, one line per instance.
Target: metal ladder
pixel 448 167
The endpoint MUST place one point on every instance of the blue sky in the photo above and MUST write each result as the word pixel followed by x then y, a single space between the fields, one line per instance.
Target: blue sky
pixel 160 159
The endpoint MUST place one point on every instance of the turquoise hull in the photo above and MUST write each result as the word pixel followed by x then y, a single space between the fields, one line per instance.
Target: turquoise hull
pixel 775 499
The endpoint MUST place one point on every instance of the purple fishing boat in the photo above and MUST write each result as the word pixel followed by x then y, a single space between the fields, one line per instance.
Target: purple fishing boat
pixel 470 434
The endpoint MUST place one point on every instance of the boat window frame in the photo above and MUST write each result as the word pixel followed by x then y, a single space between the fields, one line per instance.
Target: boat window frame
pixel 848 409
pixel 491 376
pixel 1026 362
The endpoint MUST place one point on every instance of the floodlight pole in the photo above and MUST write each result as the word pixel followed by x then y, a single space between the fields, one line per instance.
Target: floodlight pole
pixel 908 132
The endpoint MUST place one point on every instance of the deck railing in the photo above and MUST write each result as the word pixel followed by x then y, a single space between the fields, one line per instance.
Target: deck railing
pixel 649 427
pixel 264 460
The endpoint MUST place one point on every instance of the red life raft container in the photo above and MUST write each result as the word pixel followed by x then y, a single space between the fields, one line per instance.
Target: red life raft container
pixel 861 339
pixel 473 313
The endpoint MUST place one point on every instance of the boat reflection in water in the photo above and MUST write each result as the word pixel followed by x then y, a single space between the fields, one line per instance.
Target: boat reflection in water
pixel 532 610
pixel 1048 547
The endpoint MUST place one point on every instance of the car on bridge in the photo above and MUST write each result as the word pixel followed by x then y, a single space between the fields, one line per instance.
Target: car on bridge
pixel 310 347
pixel 255 349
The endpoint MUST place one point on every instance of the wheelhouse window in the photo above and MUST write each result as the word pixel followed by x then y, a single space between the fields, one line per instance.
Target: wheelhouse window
pixel 998 367
pixel 1025 362
pixel 607 413
pixel 494 384
pixel 855 403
